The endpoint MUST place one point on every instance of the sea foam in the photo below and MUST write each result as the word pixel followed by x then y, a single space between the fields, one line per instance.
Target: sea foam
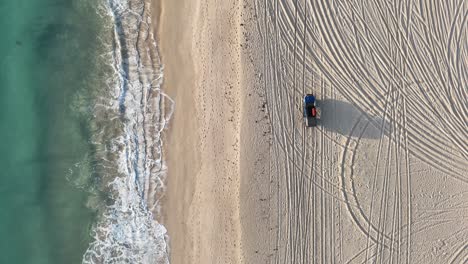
pixel 128 231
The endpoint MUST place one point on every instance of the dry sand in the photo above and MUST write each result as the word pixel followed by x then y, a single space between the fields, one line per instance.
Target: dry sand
pixel 382 179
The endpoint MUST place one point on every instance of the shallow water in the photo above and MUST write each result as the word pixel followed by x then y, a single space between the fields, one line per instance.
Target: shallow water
pixel 46 53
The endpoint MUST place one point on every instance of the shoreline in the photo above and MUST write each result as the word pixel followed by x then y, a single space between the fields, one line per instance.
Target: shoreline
pixel 130 127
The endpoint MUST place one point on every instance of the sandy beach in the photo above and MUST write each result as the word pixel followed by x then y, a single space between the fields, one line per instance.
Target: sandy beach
pixel 381 179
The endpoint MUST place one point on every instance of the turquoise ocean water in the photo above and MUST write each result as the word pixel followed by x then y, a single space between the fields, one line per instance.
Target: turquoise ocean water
pixel 81 121
pixel 47 51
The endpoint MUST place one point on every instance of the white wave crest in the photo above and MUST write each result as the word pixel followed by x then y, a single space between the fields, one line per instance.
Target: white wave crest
pixel 128 231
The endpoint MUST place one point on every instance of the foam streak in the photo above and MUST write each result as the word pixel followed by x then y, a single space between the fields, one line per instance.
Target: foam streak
pixel 128 231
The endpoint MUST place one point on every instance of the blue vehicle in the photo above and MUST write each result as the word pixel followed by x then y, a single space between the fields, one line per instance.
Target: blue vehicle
pixel 310 112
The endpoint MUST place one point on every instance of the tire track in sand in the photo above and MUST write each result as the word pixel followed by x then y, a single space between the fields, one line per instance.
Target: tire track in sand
pixel 395 62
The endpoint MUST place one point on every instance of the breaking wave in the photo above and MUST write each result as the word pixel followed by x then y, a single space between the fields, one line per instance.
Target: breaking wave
pixel 129 115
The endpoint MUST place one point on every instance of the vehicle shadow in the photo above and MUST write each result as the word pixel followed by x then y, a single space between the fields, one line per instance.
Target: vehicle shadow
pixel 344 118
